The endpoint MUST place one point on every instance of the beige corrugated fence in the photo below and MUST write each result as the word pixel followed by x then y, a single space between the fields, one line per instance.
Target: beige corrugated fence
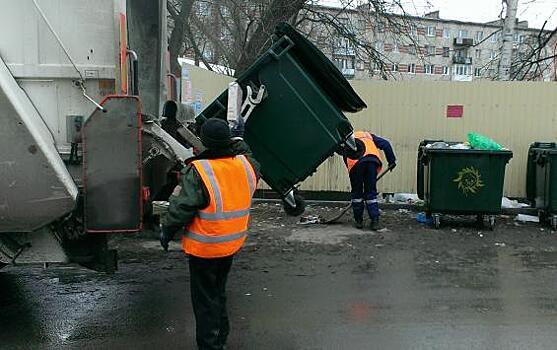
pixel 515 114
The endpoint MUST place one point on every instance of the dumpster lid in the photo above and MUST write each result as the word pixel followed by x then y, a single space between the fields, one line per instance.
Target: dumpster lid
pixel 322 70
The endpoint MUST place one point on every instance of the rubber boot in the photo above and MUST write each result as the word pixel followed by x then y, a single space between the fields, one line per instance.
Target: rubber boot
pixel 374 224
pixel 358 209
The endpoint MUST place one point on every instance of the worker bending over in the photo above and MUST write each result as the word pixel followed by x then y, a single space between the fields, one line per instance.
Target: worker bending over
pixel 363 175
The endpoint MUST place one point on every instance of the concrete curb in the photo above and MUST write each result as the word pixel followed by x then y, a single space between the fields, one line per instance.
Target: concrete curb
pixel 393 206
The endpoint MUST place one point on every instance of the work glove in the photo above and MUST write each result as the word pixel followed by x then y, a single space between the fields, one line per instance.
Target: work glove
pixel 238 129
pixel 392 166
pixel 165 237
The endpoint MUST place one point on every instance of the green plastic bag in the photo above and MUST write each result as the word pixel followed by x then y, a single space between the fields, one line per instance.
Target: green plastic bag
pixel 478 141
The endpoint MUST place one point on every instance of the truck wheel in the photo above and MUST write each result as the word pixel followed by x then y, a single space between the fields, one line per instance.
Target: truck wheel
pixel 295 211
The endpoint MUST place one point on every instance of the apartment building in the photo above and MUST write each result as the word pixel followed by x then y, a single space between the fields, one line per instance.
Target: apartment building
pixel 430 48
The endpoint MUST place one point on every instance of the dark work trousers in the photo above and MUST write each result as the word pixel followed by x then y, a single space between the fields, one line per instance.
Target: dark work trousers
pixel 363 179
pixel 208 296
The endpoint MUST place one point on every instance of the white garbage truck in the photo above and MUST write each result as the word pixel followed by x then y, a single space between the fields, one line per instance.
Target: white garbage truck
pixel 83 84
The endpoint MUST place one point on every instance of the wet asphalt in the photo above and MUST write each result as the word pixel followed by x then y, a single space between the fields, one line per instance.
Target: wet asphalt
pixel 295 287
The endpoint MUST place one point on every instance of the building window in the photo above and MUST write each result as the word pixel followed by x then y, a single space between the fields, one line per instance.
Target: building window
pixel 412 68
pixel 494 38
pixel 362 24
pixel 396 49
pixel 460 54
pixel 395 67
pixel 478 53
pixel 463 33
pixel 412 49
pixel 477 72
pixel 379 46
pixel 462 69
pixel 380 27
pixel 492 54
pixel 344 63
pixel 515 37
pixel 430 31
pixel 202 8
pixel 446 51
pixel 429 69
pixel 413 30
pixel 430 50
pixel 445 70
pixel 521 39
pixel 479 36
pixel 446 33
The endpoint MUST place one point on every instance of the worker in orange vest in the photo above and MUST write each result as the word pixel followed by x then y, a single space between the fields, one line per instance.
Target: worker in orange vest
pixel 213 208
pixel 363 175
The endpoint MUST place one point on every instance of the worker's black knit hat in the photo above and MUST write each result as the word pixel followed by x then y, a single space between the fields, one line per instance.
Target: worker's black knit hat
pixel 215 133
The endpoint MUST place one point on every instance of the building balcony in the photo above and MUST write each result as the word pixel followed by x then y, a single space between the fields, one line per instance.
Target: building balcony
pixel 344 51
pixel 462 60
pixel 460 77
pixel 348 72
pixel 463 42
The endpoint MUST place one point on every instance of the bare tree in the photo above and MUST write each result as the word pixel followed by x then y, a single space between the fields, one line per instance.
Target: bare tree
pixel 229 35
pixel 179 11
pixel 535 57
pixel 233 33
pixel 238 31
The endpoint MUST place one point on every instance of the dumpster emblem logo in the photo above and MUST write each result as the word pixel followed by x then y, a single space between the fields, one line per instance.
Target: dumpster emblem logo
pixel 469 181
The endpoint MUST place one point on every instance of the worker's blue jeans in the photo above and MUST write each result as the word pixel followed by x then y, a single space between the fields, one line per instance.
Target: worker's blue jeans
pixel 363 179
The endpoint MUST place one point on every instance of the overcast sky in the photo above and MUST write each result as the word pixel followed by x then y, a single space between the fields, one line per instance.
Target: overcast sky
pixel 534 11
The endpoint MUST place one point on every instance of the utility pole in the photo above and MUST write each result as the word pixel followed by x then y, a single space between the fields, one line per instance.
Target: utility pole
pixel 507 48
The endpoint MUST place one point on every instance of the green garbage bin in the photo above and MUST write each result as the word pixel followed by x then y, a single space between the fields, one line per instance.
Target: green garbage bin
pixel 299 123
pixel 459 181
pixel 541 180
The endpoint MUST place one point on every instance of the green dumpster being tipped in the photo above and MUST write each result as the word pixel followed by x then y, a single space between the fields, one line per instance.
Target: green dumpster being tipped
pixel 300 122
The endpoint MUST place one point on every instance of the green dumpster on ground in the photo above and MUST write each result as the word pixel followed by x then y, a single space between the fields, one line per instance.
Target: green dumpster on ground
pixel 299 124
pixel 460 181
pixel 541 180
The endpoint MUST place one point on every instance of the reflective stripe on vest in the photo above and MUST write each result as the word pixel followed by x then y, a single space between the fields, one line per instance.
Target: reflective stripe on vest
pixel 370 149
pixel 215 239
pixel 221 229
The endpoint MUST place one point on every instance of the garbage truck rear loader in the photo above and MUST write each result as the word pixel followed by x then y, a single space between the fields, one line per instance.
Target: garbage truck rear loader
pixel 82 86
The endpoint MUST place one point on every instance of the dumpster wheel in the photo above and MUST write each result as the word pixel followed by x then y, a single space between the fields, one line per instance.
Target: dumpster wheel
pixel 299 209
pixel 436 221
pixel 554 222
pixel 491 221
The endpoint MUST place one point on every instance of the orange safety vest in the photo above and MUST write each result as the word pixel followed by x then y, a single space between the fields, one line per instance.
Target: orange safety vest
pixel 221 229
pixel 371 149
